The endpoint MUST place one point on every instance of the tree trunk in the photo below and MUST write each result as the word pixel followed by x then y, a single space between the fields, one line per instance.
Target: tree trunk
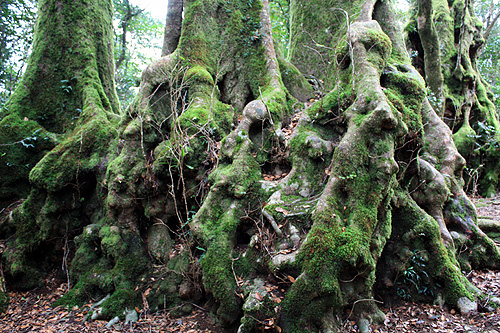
pixel 129 13
pixel 173 26
pixel 69 74
pixel 65 104
pixel 222 184
pixel 444 47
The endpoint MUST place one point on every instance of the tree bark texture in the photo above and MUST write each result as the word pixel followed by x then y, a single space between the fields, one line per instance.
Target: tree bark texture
pixel 221 183
pixel 173 27
pixel 444 43
pixel 69 75
pixel 56 127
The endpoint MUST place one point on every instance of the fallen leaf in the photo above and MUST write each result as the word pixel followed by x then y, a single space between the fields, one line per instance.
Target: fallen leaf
pixel 282 210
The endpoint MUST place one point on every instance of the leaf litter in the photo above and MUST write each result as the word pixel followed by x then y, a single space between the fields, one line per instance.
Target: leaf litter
pixel 32 311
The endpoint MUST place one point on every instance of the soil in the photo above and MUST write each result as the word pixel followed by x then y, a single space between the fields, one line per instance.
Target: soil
pixel 32 311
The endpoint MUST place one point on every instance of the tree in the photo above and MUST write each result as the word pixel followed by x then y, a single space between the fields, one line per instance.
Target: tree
pixel 220 183
pixel 173 27
pixel 63 114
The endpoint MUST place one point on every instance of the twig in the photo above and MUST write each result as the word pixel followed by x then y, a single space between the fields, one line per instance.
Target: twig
pixel 272 222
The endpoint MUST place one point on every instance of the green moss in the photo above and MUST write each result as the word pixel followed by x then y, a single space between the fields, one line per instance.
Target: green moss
pixel 107 261
pixel 119 301
pixel 319 31
pixel 218 279
pixel 240 177
pixel 22 144
pixel 199 74
pixel 406 94
pixel 294 81
pixel 79 153
pixel 77 296
pixel 200 35
pixel 300 314
pixel 418 232
pixel 62 37
pixel 111 241
pixel 464 139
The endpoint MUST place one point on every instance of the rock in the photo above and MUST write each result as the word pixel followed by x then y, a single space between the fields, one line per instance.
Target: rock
pixel 187 308
pixel 91 228
pixel 113 321
pixel 185 290
pixel 96 314
pixel 255 306
pixel 294 235
pixel 131 316
pixel 255 298
pixel 466 306
pixel 364 325
pixel 159 242
pixel 97 309
pixel 254 240
pixel 284 246
pixel 458 239
pixel 275 198
pixel 439 301
pixel 281 260
pixel 305 192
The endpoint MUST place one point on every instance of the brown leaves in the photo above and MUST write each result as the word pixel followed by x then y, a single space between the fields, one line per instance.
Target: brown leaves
pixel 32 312
pixel 269 177
pixel 282 210
pixel 428 318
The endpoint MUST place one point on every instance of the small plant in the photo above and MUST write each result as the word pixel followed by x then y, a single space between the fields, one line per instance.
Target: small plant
pixel 26 142
pixel 414 279
pixel 66 85
pixel 485 137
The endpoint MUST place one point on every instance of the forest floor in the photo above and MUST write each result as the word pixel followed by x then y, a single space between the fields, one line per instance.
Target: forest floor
pixel 32 311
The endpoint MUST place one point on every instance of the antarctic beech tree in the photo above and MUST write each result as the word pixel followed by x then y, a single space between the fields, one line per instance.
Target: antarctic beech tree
pixel 444 41
pixel 62 116
pixel 222 185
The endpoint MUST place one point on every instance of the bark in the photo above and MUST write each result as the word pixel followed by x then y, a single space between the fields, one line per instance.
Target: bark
pixel 214 193
pixel 173 27
pixel 430 44
pixel 54 95
pixel 468 107
pixel 56 128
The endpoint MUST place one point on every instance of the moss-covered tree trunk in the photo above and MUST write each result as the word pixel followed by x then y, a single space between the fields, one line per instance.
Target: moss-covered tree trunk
pixel 70 73
pixel 444 40
pixel 63 116
pixel 223 187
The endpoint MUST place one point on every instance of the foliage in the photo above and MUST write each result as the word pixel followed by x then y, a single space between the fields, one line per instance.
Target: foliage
pixel 143 35
pixel 415 280
pixel 17 19
pixel 489 61
pixel 280 19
